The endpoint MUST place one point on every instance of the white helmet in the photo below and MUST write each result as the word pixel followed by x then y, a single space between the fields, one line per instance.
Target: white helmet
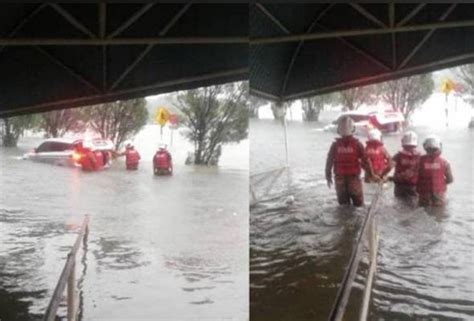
pixel 432 142
pixel 410 139
pixel 375 134
pixel 128 144
pixel 345 126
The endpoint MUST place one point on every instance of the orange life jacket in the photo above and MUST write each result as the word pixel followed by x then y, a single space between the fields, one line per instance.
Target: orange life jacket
pixel 347 159
pixel 406 161
pixel 376 154
pixel 431 177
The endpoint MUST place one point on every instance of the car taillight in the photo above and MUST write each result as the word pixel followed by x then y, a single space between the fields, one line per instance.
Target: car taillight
pixel 76 156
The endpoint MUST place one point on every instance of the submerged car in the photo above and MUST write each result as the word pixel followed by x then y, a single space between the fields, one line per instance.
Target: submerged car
pixel 386 122
pixel 67 152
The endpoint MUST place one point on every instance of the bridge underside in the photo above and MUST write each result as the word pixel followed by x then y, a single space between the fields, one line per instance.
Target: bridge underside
pixel 61 55
pixel 300 50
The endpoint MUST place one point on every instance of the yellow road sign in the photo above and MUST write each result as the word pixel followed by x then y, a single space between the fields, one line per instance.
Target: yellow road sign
pixel 162 116
pixel 447 86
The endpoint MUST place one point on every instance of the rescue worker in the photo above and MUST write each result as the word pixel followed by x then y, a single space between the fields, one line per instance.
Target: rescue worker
pixel 132 157
pixel 346 156
pixel 434 174
pixel 88 159
pixel 378 157
pixel 406 167
pixel 162 162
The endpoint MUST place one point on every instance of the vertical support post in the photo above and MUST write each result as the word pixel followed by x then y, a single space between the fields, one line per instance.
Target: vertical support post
pixel 279 105
pixel 71 292
pixel 446 109
pixel 171 137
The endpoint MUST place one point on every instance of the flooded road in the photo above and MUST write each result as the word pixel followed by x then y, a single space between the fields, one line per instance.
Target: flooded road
pixel 298 252
pixel 159 248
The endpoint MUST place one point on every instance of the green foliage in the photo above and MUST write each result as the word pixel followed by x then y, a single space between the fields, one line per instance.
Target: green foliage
pixel 117 121
pixel 14 127
pixel 406 94
pixel 313 106
pixel 214 116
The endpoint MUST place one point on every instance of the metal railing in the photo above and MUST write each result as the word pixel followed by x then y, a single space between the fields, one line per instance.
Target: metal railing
pixel 369 229
pixel 68 277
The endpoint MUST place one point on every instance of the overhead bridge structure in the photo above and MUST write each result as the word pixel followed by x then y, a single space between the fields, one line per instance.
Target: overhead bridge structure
pixel 301 50
pixel 62 55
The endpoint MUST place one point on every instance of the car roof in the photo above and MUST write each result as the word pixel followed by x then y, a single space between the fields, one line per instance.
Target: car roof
pixel 60 140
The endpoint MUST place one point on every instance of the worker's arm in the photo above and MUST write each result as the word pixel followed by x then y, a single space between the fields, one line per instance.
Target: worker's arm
pixel 329 164
pixel 365 161
pixel 448 174
pixel 390 163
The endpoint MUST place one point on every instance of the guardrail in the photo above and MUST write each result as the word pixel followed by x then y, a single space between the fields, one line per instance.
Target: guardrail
pixel 369 229
pixel 68 277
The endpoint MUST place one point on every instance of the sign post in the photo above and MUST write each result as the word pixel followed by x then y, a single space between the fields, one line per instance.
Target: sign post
pixel 446 87
pixel 173 120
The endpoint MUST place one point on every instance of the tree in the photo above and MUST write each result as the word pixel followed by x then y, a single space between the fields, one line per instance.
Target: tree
pixel 353 98
pixel 117 121
pixel 279 111
pixel 214 116
pixel 313 106
pixel 57 123
pixel 465 76
pixel 254 104
pixel 14 127
pixel 406 94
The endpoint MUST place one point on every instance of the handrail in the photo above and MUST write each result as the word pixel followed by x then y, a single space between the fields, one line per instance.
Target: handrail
pixel 342 296
pixel 68 277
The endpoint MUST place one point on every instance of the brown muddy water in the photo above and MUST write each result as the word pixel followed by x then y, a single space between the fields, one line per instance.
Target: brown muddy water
pixel 298 252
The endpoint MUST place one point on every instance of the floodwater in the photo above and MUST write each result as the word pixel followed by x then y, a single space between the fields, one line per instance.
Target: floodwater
pixel 159 248
pixel 298 251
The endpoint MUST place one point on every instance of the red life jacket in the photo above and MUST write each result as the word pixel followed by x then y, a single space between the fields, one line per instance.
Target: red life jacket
pixel 347 158
pixel 88 160
pixel 376 154
pixel 432 174
pixel 132 157
pixel 99 160
pixel 406 161
pixel 162 160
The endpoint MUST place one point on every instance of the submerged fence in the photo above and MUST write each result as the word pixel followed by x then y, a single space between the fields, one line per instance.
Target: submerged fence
pixel 68 277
